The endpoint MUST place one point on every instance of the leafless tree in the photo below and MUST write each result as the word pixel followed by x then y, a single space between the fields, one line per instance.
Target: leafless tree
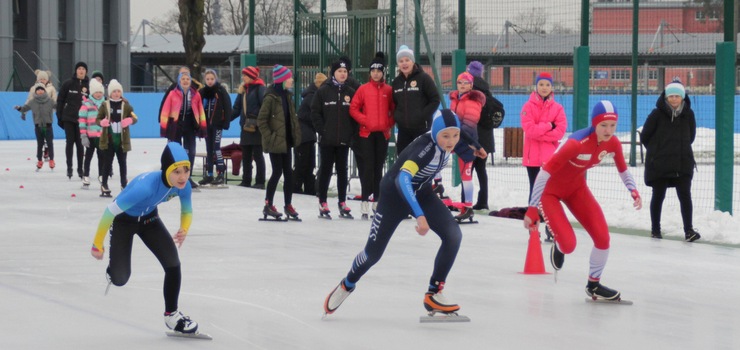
pixel 533 20
pixel 213 17
pixel 191 28
pixel 452 25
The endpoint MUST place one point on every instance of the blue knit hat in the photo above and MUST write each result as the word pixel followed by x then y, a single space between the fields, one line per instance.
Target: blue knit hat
pixel 404 51
pixel 443 119
pixel 604 110
pixel 675 88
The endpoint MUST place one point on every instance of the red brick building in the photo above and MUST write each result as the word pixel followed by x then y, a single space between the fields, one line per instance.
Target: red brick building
pixel 615 17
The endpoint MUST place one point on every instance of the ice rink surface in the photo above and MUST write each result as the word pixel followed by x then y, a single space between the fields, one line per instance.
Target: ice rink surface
pixel 261 285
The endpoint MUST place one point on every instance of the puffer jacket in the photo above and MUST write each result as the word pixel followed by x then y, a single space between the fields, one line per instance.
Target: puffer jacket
pixel 330 115
pixel 667 139
pixel 540 138
pixel 371 107
pixel 271 122
pixel 468 107
pixel 171 112
pixel 89 116
pixel 416 99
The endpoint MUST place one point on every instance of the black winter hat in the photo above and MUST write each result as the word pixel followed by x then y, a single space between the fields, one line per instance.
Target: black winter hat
pixel 340 63
pixel 378 62
pixel 98 73
pixel 80 64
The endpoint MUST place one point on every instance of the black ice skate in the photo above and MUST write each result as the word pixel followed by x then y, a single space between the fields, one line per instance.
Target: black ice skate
pixel 344 211
pixel 692 235
pixel 557 258
pixel 439 190
pixel 219 180
pixel 69 173
pixel 595 290
pixel 270 211
pixel 291 213
pixel 336 297
pixel 656 234
pixel 324 212
pixel 207 180
pixel 104 191
pixel 466 216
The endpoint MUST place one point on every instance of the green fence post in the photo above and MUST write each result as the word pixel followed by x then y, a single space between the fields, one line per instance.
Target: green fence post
pixel 248 59
pixel 580 87
pixel 458 66
pixel 391 158
pixel 724 127
pixel 633 107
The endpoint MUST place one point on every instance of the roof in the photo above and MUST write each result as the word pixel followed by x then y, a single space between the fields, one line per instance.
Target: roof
pixel 172 43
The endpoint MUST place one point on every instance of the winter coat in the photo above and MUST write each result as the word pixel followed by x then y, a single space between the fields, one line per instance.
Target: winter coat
pixel 42 108
pixel 667 139
pixel 194 83
pixel 247 107
pixel 271 122
pixel 172 112
pixel 330 115
pixel 485 136
pixel 218 109
pixel 69 99
pixel 540 138
pixel 468 108
pixel 128 112
pixel 88 118
pixel 371 107
pixel 308 133
pixel 50 90
pixel 416 99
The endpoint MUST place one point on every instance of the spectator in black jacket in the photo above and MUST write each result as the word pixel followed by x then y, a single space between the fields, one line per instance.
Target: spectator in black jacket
pixel 217 105
pixel 69 102
pixel 485 134
pixel 247 108
pixel 668 133
pixel 331 119
pixel 304 180
pixel 416 98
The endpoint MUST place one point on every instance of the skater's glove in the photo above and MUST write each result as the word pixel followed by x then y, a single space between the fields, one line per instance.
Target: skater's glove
pixel 23 116
pixel 97 253
pixel 105 123
pixel 126 122
pixel 534 218
pixel 17 108
pixel 638 200
pixel 85 141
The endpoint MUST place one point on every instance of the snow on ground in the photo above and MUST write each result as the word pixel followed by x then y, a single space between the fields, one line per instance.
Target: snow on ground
pixel 261 285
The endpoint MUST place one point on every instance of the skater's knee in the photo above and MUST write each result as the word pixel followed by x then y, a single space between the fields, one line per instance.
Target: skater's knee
pixel 119 279
pixel 566 246
pixel 601 242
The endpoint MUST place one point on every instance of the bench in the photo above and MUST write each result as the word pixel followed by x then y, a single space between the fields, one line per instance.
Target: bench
pixel 227 160
pixel 513 142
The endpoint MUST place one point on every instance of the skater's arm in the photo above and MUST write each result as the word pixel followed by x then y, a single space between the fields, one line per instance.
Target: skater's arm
pixel 473 144
pixel 403 183
pixel 186 216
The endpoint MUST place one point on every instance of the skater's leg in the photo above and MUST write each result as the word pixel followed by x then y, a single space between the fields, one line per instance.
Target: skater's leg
pixel 49 135
pixel 310 164
pixel 107 160
pixel 39 142
pixel 479 165
pixel 683 190
pixel 656 205
pixel 466 176
pixel 342 155
pixel 277 171
pixel 80 149
pixel 380 151
pixel 325 170
pixel 246 164
pixel 588 212
pixel 365 154
pixel 210 151
pixel 156 237
pixel 121 155
pixel 220 164
pixel 259 163
pixel 443 224
pixel 188 143
pixel 287 178
pixel 121 240
pixel 69 136
pixel 89 153
pixel 557 221
pixel 532 172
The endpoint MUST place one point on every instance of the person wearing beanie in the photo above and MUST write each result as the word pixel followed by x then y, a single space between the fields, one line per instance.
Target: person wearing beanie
pixel 467 105
pixel 416 98
pixel 668 133
pixel 351 81
pixel 562 180
pixel 68 103
pixel 544 122
pixel 405 191
pixel 217 107
pixel 42 108
pixel 134 212
pixel 182 117
pixel 371 108
pixel 304 180
pixel 98 75
pixel 90 131
pixel 281 132
pixel 475 68
pixel 331 119
pixel 247 105
pixel 115 116
pixel 43 77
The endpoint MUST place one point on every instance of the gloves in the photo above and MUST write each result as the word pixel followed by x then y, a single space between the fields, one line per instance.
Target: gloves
pixel 17 108
pixel 534 215
pixel 85 141
pixel 638 201
pixel 635 194
pixel 23 116
pixel 126 122
pixel 105 123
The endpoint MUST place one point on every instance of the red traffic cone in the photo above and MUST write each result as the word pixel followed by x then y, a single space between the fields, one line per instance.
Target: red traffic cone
pixel 535 264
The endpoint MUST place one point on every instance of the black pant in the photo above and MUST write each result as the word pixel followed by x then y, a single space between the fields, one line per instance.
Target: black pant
pixel 332 156
pixel 532 172
pixel 281 166
pixel 683 190
pixel 406 136
pixel 213 151
pixel 392 209
pixel 373 151
pixel 304 180
pixel 253 153
pixel 44 133
pixel 479 165
pixel 72 135
pixel 108 155
pixel 154 234
pixel 89 153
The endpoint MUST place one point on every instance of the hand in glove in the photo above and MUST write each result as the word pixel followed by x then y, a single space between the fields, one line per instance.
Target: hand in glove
pixel 532 218
pixel 126 122
pixel 105 123
pixel 638 201
pixel 85 141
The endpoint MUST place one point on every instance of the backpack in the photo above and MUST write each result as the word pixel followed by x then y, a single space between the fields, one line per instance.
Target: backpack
pixel 492 113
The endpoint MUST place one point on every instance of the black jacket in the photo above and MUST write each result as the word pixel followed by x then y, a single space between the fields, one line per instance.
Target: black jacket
pixel 330 115
pixel 485 135
pixel 416 99
pixel 69 99
pixel 308 133
pixel 667 141
pixel 217 105
pixel 255 94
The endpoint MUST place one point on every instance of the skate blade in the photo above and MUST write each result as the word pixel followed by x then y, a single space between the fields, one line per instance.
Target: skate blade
pixel 443 318
pixel 197 335
pixel 466 222
pixel 212 187
pixel 272 219
pixel 326 217
pixel 293 219
pixel 605 301
pixel 348 217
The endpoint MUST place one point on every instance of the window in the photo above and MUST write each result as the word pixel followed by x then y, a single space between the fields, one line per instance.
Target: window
pixel 620 74
pixel 712 15
pixel 106 22
pixel 62 20
pixel 20 19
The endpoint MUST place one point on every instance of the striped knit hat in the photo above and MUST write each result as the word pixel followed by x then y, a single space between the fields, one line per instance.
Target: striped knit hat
pixel 675 88
pixel 280 74
pixel 604 110
pixel 252 72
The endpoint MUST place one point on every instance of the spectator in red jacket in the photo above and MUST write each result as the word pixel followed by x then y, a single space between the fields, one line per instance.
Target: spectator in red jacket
pixel 371 108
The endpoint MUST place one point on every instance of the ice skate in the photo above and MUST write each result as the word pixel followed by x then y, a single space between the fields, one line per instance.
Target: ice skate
pixel 656 234
pixel 439 190
pixel 207 180
pixel 440 309
pixel 69 173
pixel 466 216
pixel 39 165
pixel 692 235
pixel 219 180
pixel 291 213
pixel 52 164
pixel 85 183
pixel 599 293
pixel 270 211
pixel 182 326
pixel 557 258
pixel 104 191
pixel 344 211
pixel 80 173
pixel 324 212
pixel 365 210
pixel 336 297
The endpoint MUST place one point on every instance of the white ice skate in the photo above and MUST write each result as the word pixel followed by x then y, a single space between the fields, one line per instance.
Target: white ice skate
pixel 336 297
pixel 183 326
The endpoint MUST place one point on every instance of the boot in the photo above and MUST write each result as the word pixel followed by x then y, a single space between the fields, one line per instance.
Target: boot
pixel 291 212
pixel 557 258
pixel 207 180
pixel 270 210
pixel 40 164
pixel 52 164
pixel 656 234
pixel 344 210
pixel 437 302
pixel 336 297
pixel 178 322
pixel 691 235
pixel 219 180
pixel 595 290
pixel 466 213
pixel 365 210
pixel 86 181
pixel 324 210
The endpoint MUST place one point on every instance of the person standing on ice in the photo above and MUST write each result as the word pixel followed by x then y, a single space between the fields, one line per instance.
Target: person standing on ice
pixel 134 212
pixel 563 179
pixel 406 189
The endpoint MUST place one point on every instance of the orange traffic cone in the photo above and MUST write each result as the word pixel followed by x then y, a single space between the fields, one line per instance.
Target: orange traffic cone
pixel 535 264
